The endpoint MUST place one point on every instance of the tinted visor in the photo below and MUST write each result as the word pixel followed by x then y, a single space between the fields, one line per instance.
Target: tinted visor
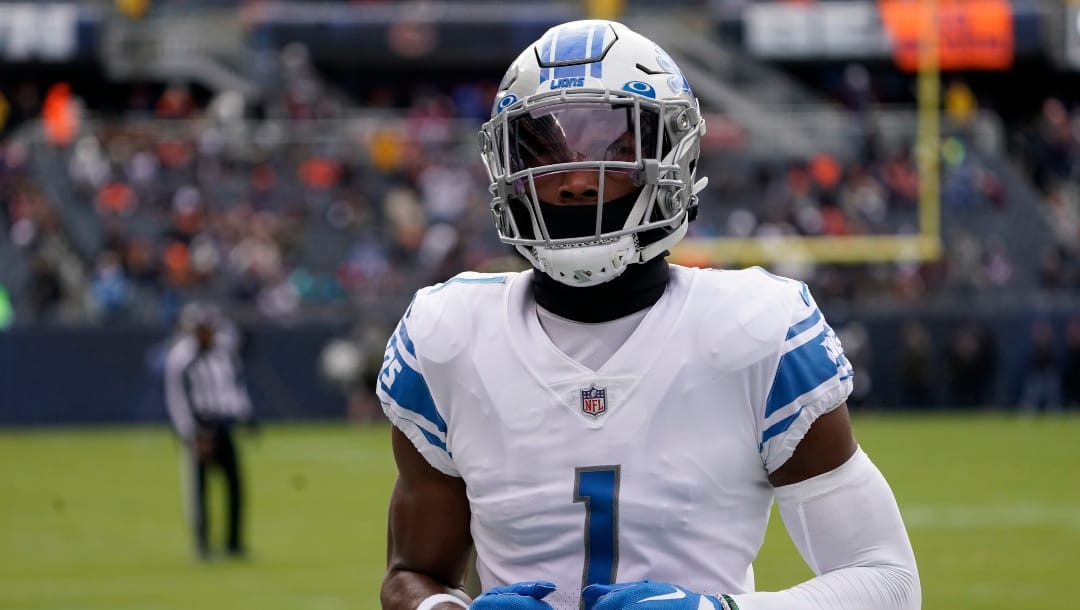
pixel 584 132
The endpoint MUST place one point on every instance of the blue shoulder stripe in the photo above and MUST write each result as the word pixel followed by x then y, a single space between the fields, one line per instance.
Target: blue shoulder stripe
pixel 800 327
pixel 405 340
pixel 431 438
pixel 778 428
pixel 800 370
pixel 406 386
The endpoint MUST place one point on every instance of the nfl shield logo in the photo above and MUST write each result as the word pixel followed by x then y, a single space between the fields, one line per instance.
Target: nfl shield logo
pixel 594 401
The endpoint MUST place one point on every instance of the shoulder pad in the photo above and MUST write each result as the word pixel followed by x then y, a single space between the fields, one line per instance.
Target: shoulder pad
pixel 746 315
pixel 440 320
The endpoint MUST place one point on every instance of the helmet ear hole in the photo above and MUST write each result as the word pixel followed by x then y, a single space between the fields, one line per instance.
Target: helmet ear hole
pixel 667 201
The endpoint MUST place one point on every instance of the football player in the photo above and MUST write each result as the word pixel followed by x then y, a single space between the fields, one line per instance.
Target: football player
pixel 608 430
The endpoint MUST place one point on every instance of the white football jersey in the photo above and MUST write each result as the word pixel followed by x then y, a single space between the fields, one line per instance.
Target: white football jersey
pixel 654 466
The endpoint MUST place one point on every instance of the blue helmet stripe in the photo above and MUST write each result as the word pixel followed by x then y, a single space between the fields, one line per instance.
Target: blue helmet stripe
pixel 572 44
pixel 579 42
pixel 545 56
pixel 596 68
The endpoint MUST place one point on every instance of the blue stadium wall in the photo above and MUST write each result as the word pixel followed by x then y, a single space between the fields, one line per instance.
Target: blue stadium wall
pixel 113 375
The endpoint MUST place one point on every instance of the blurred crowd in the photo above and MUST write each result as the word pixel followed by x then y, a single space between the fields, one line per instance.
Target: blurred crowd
pixel 128 219
pixel 315 202
pixel 1049 149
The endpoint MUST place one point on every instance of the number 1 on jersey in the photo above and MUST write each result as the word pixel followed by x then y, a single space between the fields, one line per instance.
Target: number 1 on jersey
pixel 598 488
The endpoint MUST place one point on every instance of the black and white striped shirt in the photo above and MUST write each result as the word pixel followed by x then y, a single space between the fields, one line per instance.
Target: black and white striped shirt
pixel 204 385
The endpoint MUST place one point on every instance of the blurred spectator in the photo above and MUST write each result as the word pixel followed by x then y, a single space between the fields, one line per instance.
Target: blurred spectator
pixel 1051 270
pixel 115 198
pixel 1063 208
pixel 970 365
pixel 965 256
pixel 959 102
pixel 25 104
pixel 857 92
pixel 175 102
pixel 60 114
pixel 110 288
pixel 1071 370
pixel 916 366
pixel 44 289
pixel 997 264
pixel 1042 383
pixel 1056 146
pixel 278 299
pixel 141 263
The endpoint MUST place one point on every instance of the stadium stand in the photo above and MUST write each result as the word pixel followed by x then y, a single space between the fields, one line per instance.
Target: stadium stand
pixel 316 165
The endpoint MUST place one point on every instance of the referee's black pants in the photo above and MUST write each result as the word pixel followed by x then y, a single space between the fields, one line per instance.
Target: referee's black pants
pixel 215 448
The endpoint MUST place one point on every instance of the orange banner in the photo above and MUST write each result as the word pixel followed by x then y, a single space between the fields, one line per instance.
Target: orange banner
pixel 972 34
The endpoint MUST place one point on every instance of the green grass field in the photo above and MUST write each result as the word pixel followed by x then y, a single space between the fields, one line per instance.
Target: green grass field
pixel 93 520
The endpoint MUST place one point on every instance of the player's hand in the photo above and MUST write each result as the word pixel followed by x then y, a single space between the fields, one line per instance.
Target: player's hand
pixel 205 439
pixel 518 596
pixel 650 595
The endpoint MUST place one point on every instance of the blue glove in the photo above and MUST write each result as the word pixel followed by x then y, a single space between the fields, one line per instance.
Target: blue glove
pixel 649 595
pixel 518 596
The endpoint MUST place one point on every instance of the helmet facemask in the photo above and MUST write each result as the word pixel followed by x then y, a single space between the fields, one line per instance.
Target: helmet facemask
pixel 592 113
pixel 623 144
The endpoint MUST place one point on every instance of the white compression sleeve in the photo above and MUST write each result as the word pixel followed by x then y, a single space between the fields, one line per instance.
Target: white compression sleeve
pixel 848 528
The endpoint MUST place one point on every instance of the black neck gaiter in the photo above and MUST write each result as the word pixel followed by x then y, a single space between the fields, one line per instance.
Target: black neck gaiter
pixel 639 287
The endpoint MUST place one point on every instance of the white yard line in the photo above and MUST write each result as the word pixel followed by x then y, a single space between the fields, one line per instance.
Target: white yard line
pixel 1006 516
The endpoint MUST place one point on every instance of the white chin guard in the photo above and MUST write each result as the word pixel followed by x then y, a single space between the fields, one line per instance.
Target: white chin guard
pixel 583 266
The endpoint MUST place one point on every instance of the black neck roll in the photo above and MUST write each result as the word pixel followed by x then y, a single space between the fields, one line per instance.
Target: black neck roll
pixel 639 287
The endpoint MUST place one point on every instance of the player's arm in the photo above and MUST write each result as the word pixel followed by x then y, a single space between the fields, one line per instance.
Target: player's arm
pixel 842 516
pixel 837 507
pixel 428 541
pixel 827 445
pixel 177 400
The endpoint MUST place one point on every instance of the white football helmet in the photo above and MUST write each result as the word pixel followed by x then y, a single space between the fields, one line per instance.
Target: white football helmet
pixel 593 98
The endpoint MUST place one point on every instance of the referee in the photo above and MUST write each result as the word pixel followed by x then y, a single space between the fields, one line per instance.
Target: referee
pixel 206 396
